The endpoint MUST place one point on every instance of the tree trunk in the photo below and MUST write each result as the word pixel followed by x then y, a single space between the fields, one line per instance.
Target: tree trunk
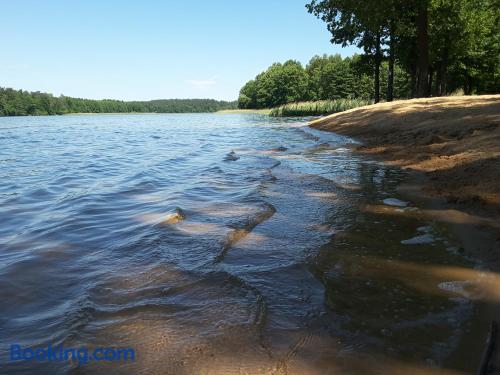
pixel 439 79
pixel 390 76
pixel 377 68
pixel 429 85
pixel 468 85
pixel 423 51
pixel 443 68
pixel 444 77
pixel 414 80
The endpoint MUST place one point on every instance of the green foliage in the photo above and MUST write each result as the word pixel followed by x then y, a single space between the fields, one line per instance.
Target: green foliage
pixel 324 78
pixel 318 108
pixel 279 84
pixel 331 77
pixel 22 103
pixel 402 82
pixel 470 41
pixel 441 45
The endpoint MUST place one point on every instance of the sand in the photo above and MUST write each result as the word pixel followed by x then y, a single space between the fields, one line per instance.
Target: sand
pixel 451 148
pixel 454 141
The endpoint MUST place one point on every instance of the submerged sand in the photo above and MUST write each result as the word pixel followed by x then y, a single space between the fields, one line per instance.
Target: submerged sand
pixel 455 141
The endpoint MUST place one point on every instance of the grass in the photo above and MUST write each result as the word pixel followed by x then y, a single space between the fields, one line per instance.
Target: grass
pixel 317 108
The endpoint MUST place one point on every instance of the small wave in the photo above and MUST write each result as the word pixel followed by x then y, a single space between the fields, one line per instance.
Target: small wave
pixel 425 229
pixel 279 149
pixel 175 217
pixel 231 156
pixel 275 164
pixel 164 292
pixel 161 218
pixel 306 134
pixel 319 146
pixel 395 202
pixel 261 304
pixel 243 228
pixel 467 289
pixel 419 240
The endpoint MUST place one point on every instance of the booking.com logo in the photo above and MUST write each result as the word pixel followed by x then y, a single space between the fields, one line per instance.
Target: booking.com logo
pixel 81 355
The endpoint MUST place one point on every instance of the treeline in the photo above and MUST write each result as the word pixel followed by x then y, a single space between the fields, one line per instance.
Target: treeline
pixel 323 78
pixel 411 48
pixel 444 45
pixel 22 103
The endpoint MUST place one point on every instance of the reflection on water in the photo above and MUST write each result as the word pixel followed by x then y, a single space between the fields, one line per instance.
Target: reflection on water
pixel 220 245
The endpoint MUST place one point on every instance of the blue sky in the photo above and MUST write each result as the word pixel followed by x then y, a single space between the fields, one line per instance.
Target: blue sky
pixel 145 49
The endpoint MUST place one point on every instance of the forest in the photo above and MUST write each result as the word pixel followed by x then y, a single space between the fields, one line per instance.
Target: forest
pixel 324 78
pixel 23 103
pixel 411 48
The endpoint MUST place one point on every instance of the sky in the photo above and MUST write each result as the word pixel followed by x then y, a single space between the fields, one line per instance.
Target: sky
pixel 145 49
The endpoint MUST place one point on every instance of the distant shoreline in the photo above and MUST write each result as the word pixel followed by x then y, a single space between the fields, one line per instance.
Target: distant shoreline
pixel 134 113
pixel 24 103
pixel 264 111
pixel 139 113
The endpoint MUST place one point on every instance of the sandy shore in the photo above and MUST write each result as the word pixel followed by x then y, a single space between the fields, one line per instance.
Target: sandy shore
pixel 455 141
pixel 451 148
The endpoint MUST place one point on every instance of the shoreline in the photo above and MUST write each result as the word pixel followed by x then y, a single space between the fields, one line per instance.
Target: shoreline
pixel 229 111
pixel 263 111
pixel 454 141
pixel 474 222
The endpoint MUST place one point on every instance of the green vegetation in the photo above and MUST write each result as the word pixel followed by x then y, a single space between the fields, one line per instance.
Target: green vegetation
pixel 325 77
pixel 22 103
pixel 318 107
pixel 444 45
pixel 412 48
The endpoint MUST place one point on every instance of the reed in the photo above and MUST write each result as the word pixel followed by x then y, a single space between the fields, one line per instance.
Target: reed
pixel 317 108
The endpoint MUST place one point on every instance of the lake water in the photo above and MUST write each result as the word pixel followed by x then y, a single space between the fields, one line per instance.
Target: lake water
pixel 216 244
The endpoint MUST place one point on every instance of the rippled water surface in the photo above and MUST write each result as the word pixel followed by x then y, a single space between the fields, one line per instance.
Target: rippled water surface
pixel 216 244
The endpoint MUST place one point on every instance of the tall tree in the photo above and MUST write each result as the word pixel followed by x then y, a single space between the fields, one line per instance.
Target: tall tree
pixel 362 23
pixel 422 48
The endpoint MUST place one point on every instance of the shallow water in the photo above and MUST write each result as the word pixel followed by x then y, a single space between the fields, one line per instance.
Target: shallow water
pixel 217 244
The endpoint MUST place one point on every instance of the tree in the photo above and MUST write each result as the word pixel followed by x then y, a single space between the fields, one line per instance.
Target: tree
pixel 432 40
pixel 330 77
pixel 21 103
pixel 360 23
pixel 248 95
pixel 324 78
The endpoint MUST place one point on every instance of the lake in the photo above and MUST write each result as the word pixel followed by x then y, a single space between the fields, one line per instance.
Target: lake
pixel 217 244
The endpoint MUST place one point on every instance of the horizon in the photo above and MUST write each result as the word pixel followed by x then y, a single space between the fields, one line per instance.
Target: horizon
pixel 137 52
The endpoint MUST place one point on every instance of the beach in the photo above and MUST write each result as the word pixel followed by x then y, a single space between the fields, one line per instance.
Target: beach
pixel 450 149
pixel 454 141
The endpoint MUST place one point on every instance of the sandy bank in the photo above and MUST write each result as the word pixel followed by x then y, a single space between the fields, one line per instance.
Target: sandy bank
pixel 455 141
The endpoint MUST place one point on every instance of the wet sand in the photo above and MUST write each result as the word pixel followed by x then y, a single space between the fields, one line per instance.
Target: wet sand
pixel 450 148
pixel 454 141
